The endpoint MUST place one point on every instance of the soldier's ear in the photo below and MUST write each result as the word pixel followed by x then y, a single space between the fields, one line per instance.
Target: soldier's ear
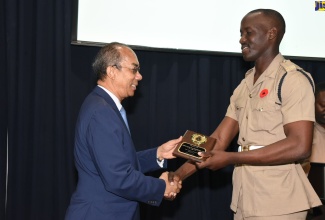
pixel 273 33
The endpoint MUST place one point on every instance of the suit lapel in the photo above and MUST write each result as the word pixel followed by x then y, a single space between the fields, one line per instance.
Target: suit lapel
pixel 99 91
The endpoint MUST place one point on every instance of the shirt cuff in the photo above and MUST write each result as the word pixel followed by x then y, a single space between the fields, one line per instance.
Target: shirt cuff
pixel 160 162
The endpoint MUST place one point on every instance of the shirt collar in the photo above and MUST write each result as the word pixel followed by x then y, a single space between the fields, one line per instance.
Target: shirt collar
pixel 269 72
pixel 115 99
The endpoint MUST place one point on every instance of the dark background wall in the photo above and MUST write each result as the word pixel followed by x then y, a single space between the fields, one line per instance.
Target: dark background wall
pixel 43 81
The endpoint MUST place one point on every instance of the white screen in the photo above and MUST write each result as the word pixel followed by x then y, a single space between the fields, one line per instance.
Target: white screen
pixel 205 25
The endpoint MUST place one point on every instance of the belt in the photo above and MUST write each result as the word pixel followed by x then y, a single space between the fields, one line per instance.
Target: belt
pixel 249 147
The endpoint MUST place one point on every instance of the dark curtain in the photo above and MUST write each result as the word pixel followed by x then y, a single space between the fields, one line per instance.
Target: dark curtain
pixel 3 113
pixel 37 36
pixel 43 82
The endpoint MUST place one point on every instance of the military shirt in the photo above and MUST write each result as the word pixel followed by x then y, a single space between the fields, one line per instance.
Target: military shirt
pixel 261 115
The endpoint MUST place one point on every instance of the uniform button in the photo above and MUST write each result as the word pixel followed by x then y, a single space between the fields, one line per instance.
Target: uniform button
pixel 243 139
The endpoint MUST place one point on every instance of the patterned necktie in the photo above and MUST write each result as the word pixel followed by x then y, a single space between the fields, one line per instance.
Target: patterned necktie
pixel 123 113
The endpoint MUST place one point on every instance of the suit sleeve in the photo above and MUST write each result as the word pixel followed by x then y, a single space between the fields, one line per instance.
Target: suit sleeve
pixel 148 160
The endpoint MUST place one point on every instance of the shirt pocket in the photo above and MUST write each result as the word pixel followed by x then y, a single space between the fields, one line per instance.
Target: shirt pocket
pixel 273 179
pixel 273 186
pixel 265 115
pixel 240 109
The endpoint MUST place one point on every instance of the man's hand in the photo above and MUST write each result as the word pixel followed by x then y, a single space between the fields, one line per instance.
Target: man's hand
pixel 215 159
pixel 165 151
pixel 172 187
pixel 174 178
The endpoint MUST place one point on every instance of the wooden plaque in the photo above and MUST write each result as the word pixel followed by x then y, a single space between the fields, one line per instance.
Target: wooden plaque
pixel 192 144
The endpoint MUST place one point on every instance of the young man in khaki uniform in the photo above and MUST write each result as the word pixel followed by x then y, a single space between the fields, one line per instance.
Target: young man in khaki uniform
pixel 273 111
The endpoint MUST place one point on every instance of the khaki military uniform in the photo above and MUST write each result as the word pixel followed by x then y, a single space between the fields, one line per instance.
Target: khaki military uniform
pixel 271 190
pixel 318 150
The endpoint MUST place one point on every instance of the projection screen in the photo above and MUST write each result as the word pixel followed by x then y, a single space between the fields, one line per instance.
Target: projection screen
pixel 202 26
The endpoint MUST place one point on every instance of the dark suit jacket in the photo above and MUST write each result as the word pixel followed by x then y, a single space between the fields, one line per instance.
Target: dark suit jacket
pixel 111 180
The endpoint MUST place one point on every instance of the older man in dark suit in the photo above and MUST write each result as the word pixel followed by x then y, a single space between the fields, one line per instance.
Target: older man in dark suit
pixel 111 173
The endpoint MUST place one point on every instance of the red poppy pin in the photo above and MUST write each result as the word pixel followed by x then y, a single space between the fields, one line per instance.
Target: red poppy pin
pixel 264 93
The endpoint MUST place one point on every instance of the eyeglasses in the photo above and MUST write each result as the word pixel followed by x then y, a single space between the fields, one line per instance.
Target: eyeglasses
pixel 133 70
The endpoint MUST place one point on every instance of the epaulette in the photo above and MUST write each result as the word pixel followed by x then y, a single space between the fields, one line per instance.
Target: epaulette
pixel 289 66
pixel 249 71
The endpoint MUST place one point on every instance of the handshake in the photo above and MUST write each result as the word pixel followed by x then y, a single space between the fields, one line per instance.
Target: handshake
pixel 174 180
pixel 173 185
